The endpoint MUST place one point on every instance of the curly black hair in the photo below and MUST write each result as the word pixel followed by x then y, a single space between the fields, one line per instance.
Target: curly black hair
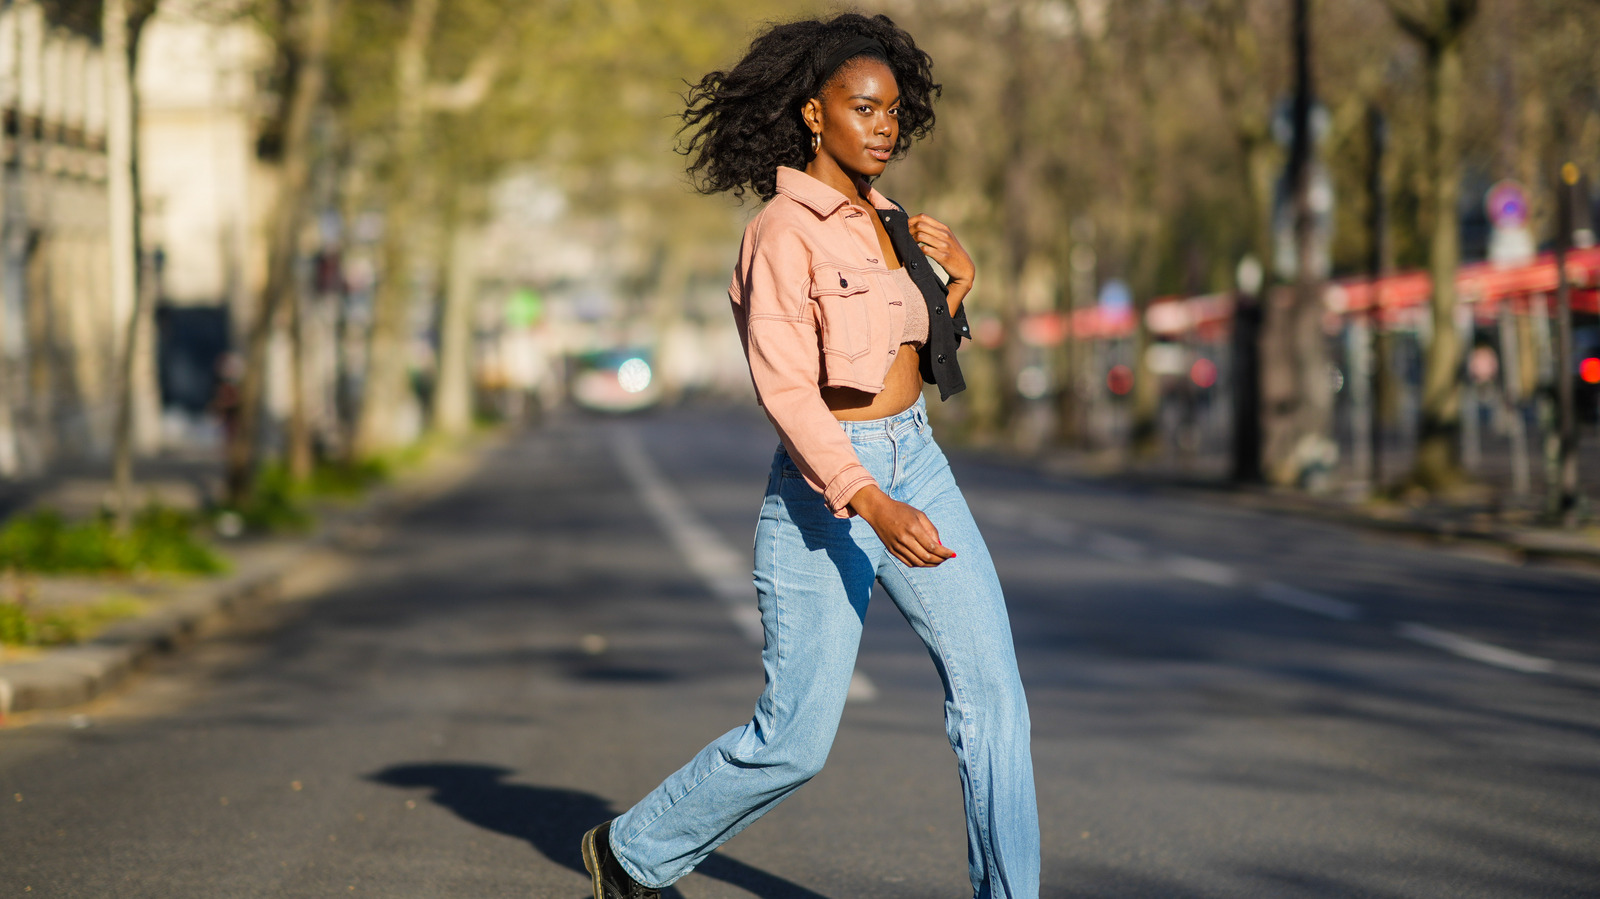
pixel 746 122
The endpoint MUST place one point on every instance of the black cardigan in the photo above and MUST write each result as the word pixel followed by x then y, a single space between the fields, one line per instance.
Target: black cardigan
pixel 938 355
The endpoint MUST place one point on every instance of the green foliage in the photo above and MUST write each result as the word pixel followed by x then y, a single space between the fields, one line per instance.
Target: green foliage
pixel 276 504
pixel 279 504
pixel 17 627
pixel 22 625
pixel 348 480
pixel 160 539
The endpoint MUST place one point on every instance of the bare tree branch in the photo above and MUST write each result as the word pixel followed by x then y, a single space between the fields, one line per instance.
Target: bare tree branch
pixel 1415 26
pixel 472 88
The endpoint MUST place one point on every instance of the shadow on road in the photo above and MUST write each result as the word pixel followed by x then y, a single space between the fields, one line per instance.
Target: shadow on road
pixel 553 820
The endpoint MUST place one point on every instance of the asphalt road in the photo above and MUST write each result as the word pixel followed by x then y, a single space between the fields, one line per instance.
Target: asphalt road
pixel 1226 703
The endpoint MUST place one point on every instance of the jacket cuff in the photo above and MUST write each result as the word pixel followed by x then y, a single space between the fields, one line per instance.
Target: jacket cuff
pixel 843 488
pixel 960 320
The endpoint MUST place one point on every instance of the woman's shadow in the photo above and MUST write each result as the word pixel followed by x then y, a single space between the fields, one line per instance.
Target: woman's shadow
pixel 553 820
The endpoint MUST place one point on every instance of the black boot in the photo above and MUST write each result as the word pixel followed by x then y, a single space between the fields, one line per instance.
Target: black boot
pixel 611 880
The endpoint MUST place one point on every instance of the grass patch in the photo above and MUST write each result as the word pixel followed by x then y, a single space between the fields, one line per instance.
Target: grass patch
pixel 280 504
pixel 276 505
pixel 22 625
pixel 348 480
pixel 160 540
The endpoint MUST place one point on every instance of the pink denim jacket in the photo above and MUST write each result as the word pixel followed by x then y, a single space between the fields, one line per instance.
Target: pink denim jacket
pixel 815 306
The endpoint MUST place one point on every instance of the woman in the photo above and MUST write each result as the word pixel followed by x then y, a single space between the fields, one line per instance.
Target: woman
pixel 842 319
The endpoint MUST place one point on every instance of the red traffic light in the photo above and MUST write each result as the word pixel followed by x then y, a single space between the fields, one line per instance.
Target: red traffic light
pixel 1589 370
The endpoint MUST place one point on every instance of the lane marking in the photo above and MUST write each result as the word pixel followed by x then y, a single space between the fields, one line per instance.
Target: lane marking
pixel 1476 650
pixel 862 689
pixel 1055 530
pixel 1067 533
pixel 1202 570
pixel 1306 601
pixel 1003 515
pixel 709 557
pixel 1119 549
pixel 724 572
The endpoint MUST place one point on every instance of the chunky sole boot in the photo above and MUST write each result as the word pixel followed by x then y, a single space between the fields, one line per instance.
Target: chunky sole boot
pixel 611 880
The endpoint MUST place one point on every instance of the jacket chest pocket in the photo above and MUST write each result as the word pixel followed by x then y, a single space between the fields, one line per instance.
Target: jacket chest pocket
pixel 843 296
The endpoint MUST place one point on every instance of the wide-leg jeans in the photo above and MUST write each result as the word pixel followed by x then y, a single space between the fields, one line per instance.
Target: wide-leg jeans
pixel 813 576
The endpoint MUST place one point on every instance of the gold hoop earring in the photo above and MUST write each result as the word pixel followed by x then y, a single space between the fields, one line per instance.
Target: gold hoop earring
pixel 816 142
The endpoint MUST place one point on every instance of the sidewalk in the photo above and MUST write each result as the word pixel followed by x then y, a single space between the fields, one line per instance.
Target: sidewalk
pixel 176 611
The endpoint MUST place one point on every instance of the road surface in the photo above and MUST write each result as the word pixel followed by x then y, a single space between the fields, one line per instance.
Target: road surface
pixel 1225 702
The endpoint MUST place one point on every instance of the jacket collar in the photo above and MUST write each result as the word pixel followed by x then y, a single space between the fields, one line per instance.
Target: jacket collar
pixel 819 197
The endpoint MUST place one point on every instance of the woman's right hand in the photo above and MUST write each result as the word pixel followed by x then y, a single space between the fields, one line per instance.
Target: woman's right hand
pixel 907 533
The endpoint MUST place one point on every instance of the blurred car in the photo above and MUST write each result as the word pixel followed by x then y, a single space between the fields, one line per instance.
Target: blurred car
pixel 619 380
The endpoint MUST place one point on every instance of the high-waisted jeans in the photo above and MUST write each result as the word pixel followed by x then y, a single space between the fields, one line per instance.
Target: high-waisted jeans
pixel 813 576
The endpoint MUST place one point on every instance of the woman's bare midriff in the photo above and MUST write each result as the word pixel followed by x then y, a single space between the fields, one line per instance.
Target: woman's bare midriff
pixel 901 388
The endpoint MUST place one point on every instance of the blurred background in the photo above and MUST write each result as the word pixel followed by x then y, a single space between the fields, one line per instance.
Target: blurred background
pixel 279 234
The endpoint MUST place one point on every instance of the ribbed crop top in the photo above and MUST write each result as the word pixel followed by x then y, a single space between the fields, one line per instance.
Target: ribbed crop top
pixel 916 329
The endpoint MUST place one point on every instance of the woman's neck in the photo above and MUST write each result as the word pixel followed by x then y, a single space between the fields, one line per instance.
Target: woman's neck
pixel 824 169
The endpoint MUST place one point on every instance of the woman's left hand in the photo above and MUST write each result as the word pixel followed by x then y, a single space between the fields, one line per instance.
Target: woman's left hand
pixel 940 245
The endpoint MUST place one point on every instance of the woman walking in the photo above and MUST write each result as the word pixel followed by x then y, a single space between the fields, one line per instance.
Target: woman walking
pixel 842 320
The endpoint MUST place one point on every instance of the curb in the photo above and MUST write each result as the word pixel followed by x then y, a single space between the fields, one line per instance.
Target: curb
pixel 76 674
pixel 73 675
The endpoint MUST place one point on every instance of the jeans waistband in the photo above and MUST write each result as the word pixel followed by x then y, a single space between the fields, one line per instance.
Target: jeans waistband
pixel 913 418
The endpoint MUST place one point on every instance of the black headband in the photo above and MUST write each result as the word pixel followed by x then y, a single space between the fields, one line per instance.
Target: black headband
pixel 850 49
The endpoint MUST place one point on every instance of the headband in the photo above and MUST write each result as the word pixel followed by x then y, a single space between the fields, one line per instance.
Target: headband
pixel 850 49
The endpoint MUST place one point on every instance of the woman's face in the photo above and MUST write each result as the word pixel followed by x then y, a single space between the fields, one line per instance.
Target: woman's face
pixel 858 116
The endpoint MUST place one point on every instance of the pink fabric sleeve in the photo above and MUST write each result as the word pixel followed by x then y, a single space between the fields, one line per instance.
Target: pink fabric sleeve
pixel 779 326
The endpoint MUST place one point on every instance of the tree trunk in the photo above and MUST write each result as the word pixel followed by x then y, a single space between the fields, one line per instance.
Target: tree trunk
pixel 385 387
pixel 1439 447
pixel 1144 430
pixel 301 458
pixel 1573 191
pixel 1298 401
pixel 1078 294
pixel 307 47
pixel 1377 256
pixel 452 395
pixel 126 298
pixel 1020 190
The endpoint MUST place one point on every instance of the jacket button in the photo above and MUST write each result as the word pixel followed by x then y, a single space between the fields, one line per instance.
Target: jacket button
pixel 914 266
pixel 938 310
pixel 941 358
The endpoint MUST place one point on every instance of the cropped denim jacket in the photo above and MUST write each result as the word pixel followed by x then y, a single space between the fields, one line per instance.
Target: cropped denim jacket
pixel 815 307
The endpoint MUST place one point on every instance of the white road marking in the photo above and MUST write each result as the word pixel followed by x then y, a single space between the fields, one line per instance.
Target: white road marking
pixel 1003 514
pixel 1476 650
pixel 862 689
pixel 719 566
pixel 1055 530
pixel 1202 570
pixel 1052 529
pixel 1306 601
pixel 724 572
pixel 1120 549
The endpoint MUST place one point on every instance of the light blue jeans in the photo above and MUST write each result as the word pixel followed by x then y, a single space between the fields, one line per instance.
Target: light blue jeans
pixel 813 577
